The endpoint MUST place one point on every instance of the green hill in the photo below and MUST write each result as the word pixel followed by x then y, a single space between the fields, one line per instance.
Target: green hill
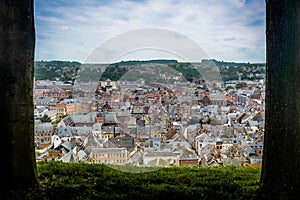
pixel 52 70
pixel 67 71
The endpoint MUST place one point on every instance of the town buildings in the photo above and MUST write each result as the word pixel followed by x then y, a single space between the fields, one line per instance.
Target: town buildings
pixel 138 123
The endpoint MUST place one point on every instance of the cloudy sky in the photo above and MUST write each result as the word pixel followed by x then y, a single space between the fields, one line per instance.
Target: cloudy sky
pixel 230 30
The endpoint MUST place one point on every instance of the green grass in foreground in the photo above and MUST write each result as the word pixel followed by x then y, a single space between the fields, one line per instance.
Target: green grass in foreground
pixel 96 181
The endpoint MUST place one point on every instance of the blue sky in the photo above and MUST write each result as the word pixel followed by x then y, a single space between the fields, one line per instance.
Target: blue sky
pixel 231 30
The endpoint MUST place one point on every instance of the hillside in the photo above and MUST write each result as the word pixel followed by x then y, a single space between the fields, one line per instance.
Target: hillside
pixel 53 70
pixel 68 71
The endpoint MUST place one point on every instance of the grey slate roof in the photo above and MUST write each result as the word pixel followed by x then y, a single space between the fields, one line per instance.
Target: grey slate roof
pixel 45 101
pixel 43 127
pixel 72 131
pixel 86 118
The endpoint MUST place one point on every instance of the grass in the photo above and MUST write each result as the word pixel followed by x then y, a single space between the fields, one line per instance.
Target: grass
pixel 96 181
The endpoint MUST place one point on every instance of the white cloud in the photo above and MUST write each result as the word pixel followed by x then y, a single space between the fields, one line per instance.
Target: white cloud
pixel 162 40
pixel 222 29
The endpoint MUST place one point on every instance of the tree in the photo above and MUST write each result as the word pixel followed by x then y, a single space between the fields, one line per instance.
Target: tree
pixel 17 42
pixel 280 176
pixel 229 88
pixel 46 118
pixel 241 85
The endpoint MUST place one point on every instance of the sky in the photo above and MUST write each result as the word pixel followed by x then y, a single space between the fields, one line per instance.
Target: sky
pixel 73 30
